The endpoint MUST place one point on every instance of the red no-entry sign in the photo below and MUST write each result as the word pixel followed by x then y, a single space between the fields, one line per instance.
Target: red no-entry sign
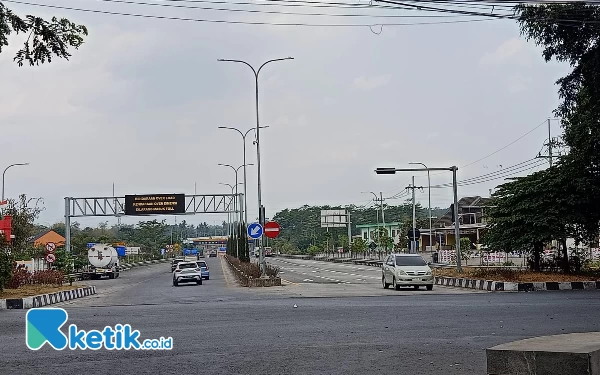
pixel 272 229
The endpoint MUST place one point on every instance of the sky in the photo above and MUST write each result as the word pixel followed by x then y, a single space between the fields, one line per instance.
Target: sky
pixel 140 103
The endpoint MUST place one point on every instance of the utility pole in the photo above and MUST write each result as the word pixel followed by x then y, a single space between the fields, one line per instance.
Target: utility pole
pixel 550 155
pixel 549 144
pixel 414 214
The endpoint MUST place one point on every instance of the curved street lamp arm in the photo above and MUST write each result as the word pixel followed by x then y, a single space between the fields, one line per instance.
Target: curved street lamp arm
pixel 270 61
pixel 243 62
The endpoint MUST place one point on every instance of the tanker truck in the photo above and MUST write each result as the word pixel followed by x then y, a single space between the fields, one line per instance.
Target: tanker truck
pixel 103 261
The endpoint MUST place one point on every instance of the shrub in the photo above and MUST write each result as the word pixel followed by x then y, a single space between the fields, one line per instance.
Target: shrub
pixel 20 276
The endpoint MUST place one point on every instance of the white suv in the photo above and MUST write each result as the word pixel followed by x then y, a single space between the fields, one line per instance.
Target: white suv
pixel 187 272
pixel 406 270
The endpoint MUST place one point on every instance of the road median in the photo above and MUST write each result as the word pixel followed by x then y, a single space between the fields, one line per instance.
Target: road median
pixel 46 299
pixel 240 270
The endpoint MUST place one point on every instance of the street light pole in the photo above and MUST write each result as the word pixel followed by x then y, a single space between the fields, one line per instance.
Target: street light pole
pixel 429 191
pixel 260 207
pixel 452 169
pixel 3 173
pixel 229 214
pixel 245 182
pixel 235 208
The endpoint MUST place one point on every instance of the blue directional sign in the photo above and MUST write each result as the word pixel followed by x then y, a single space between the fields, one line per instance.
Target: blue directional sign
pixel 255 230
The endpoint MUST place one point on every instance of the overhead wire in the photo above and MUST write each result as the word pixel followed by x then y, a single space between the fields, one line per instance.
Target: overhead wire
pixel 235 10
pixel 206 20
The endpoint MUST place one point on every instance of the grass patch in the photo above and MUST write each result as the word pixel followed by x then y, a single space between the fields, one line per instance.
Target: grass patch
pixel 511 275
pixel 34 290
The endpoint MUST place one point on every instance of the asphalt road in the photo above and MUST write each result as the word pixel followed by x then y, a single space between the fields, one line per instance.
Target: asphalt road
pixel 218 328
pixel 311 278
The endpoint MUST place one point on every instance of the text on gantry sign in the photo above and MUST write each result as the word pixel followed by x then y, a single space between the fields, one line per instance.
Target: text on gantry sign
pixel 157 204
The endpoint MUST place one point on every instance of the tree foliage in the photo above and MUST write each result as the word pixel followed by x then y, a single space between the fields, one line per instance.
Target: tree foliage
pixel 563 201
pixel 301 227
pixel 45 39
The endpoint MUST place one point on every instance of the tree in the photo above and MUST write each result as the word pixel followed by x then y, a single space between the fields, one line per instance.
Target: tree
pixel 359 246
pixel 466 248
pixel 45 39
pixel 569 33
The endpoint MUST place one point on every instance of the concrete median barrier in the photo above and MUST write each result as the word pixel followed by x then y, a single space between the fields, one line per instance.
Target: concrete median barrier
pixel 575 353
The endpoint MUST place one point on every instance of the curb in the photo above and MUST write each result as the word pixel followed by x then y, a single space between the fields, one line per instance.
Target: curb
pixel 502 286
pixel 46 299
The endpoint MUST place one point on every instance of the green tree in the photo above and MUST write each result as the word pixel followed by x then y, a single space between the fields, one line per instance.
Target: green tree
pixel 45 39
pixel 23 227
pixel 569 34
pixel 313 250
pixel 359 246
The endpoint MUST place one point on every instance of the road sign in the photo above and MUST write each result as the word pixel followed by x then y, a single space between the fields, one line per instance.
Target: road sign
pixel 255 230
pixel 50 258
pixel 413 234
pixel 372 246
pixel 50 247
pixel 272 229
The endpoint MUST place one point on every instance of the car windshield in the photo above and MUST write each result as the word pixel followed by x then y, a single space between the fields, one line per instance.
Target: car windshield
pixel 201 264
pixel 410 261
pixel 187 265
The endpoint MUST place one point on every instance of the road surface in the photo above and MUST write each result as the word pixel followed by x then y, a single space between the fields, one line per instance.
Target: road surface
pixel 219 328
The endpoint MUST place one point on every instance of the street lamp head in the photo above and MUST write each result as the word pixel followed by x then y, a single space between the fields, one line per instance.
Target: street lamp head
pixel 385 170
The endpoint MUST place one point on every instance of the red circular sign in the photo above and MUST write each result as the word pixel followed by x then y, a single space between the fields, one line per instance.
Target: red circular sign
pixel 272 229
pixel 50 258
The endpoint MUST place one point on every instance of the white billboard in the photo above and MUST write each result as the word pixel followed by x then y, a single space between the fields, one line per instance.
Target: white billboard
pixel 132 250
pixel 334 218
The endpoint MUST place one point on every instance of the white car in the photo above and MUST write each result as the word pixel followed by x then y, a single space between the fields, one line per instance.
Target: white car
pixel 406 270
pixel 187 272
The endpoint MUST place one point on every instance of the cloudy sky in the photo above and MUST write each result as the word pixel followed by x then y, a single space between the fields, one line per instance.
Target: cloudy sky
pixel 139 105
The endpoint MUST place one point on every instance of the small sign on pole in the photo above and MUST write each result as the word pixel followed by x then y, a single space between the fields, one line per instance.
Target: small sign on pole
pixel 50 247
pixel 50 258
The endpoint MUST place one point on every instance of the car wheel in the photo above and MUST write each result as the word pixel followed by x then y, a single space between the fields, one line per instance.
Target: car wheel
pixel 396 286
pixel 385 285
pixel 199 282
pixel 207 277
pixel 175 283
pixel 416 287
pixel 429 287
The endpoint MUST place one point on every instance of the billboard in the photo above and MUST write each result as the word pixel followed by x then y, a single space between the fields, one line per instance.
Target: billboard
pixel 334 218
pixel 158 204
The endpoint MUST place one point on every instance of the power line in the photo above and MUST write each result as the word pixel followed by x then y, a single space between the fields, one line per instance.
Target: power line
pixel 505 147
pixel 180 4
pixel 506 172
pixel 138 15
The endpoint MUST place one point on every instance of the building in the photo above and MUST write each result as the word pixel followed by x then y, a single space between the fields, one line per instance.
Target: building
pixel 49 236
pixel 367 231
pixel 472 222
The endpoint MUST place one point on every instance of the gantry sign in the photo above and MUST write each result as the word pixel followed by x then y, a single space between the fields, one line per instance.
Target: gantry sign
pixel 149 205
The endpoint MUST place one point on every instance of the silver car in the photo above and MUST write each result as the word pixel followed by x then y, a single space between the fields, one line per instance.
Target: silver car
pixel 187 272
pixel 406 270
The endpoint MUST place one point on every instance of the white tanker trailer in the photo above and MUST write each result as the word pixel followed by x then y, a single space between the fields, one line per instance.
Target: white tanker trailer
pixel 103 261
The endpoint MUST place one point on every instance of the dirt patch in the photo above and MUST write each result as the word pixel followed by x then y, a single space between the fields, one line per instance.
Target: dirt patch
pixel 34 290
pixel 514 275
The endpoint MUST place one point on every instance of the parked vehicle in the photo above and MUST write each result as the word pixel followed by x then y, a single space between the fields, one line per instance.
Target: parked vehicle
pixel 406 270
pixel 187 272
pixel 103 261
pixel 204 269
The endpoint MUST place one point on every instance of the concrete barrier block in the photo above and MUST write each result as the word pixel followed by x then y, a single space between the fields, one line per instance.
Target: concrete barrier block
pixel 575 353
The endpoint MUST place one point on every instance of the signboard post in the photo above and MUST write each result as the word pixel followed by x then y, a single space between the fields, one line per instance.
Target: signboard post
pixel 159 204
pixel 272 229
